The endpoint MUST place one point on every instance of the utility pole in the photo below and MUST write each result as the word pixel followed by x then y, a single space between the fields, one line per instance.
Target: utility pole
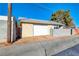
pixel 9 23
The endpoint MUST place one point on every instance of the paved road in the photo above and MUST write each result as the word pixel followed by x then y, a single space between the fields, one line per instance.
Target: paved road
pixel 41 48
pixel 74 51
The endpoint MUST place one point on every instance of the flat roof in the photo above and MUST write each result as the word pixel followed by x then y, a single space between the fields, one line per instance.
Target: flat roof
pixel 42 22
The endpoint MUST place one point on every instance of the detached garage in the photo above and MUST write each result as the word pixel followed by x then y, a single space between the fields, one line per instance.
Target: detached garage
pixel 36 27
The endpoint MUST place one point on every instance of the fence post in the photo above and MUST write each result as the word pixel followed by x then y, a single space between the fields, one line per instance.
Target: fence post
pixel 51 31
pixel 71 31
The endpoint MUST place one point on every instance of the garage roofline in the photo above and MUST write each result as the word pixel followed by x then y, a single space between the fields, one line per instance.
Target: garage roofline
pixel 41 22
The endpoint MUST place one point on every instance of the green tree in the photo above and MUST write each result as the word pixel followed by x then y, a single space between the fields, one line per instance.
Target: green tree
pixel 63 17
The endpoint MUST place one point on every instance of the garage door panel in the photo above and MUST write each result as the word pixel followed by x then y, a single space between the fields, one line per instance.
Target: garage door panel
pixel 41 30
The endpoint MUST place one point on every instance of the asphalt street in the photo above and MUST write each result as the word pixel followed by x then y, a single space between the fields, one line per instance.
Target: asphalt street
pixel 73 51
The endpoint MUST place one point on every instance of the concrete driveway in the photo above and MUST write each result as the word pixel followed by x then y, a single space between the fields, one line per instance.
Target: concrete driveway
pixel 40 48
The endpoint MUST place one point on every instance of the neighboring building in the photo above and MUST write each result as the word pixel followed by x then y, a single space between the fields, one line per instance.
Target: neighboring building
pixel 35 27
pixel 3 28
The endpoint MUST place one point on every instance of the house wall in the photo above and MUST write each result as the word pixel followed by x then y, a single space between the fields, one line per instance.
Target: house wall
pixel 3 28
pixel 38 30
pixel 14 30
pixel 27 30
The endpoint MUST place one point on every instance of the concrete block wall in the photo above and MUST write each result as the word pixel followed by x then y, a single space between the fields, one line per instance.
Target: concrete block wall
pixel 65 32
pixel 61 32
pixel 3 28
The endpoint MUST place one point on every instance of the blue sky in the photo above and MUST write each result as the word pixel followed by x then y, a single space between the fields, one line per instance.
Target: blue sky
pixel 41 10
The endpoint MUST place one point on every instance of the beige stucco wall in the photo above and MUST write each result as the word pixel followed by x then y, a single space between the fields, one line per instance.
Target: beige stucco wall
pixel 27 30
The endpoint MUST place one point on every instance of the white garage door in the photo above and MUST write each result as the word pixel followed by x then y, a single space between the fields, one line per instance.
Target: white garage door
pixel 41 30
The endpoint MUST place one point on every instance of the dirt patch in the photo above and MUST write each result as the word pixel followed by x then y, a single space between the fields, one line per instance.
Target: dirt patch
pixel 39 38
pixel 32 39
pixel 3 43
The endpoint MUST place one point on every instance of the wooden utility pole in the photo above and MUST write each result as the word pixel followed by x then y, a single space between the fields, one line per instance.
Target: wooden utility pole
pixel 9 23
